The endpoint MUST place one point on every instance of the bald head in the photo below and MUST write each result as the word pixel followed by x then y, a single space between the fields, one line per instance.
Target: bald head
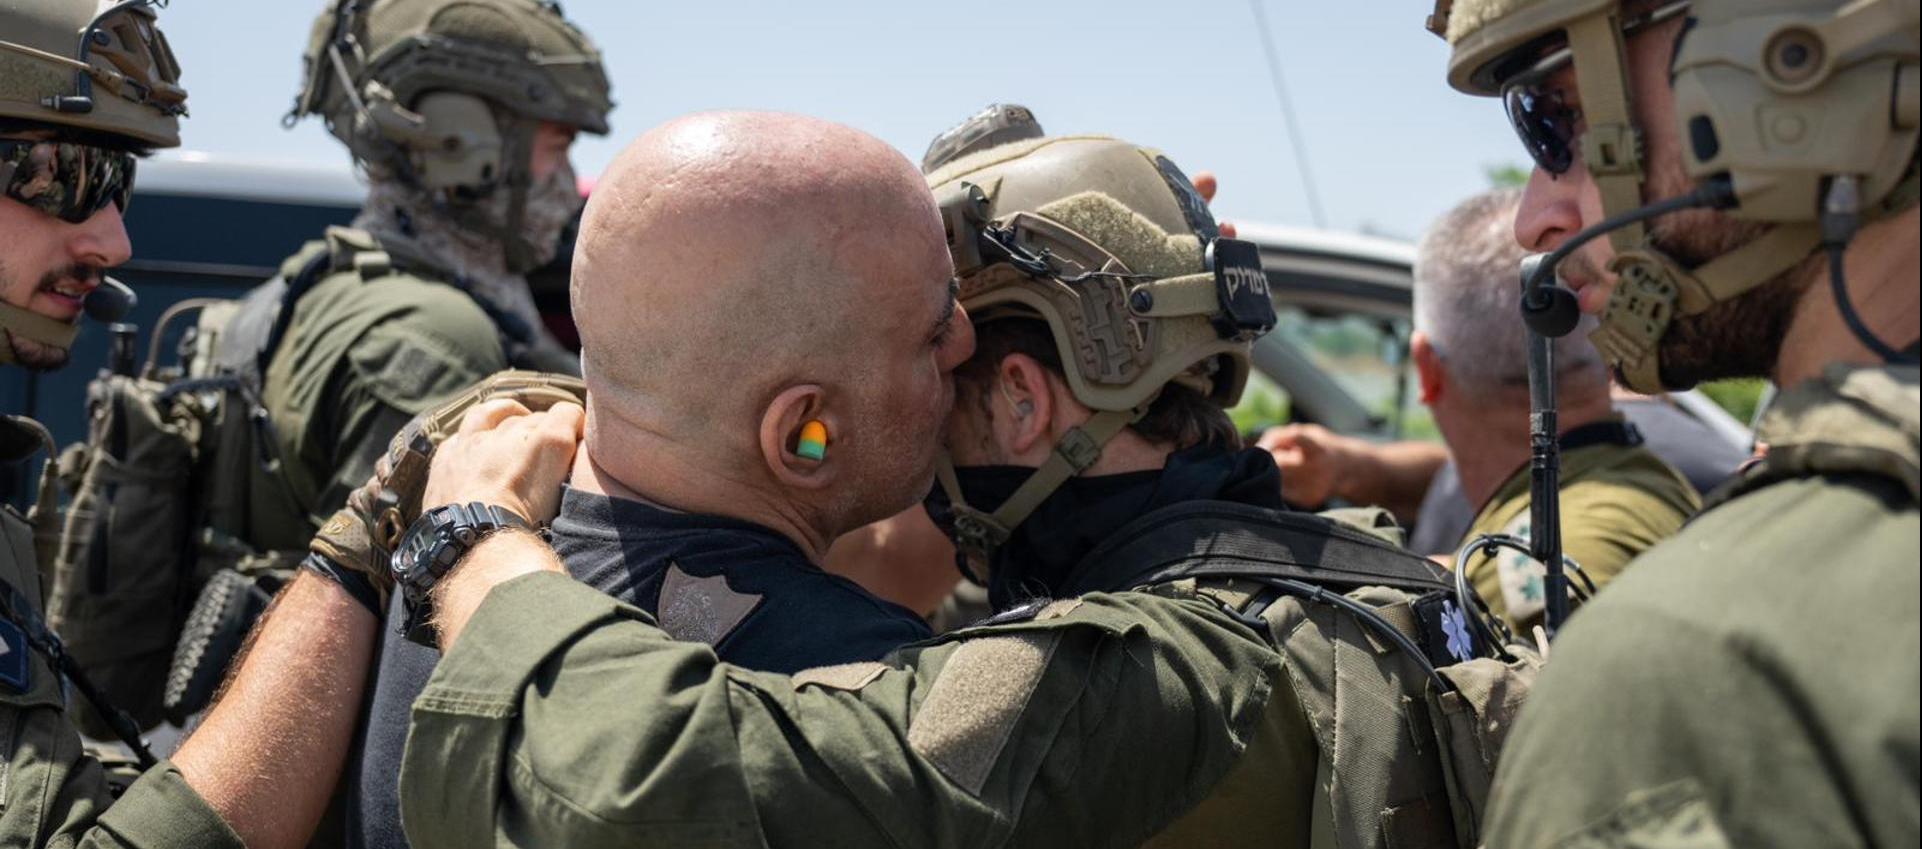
pixel 726 259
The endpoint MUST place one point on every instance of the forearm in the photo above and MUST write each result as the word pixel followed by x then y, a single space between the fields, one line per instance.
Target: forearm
pixel 269 753
pixel 1394 476
pixel 499 558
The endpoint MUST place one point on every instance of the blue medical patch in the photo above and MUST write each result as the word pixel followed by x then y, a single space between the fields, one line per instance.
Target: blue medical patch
pixel 16 667
pixel 1455 625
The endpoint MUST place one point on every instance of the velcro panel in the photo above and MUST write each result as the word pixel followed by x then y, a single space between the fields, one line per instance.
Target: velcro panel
pixel 972 708
pixel 846 676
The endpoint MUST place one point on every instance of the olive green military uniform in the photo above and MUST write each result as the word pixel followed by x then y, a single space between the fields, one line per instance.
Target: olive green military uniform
pixel 381 337
pixel 563 717
pixel 1753 681
pixel 1617 501
pixel 51 793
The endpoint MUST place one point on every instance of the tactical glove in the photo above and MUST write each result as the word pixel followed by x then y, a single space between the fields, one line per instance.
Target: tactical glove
pixel 354 546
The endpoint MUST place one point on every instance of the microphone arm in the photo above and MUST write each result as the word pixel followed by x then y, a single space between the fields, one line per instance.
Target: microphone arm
pixel 1551 311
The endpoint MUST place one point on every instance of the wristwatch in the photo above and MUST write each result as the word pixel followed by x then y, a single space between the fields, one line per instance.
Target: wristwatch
pixel 432 546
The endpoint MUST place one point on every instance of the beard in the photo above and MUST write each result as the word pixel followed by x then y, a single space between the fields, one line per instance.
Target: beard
pixel 40 356
pixel 1738 337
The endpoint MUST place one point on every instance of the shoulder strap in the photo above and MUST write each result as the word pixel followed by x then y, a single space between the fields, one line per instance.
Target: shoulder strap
pixel 1226 539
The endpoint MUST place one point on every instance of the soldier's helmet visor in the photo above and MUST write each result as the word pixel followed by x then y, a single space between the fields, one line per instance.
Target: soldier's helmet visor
pixel 1537 104
pixel 68 180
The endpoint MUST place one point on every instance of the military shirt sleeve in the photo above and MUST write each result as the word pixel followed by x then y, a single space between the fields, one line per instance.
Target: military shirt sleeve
pixel 397 370
pixel 1604 526
pixel 1643 727
pixel 56 796
pixel 563 717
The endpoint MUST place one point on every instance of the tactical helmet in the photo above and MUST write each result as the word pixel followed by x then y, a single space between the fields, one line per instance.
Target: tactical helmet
pixel 998 124
pixel 1112 247
pixel 1789 108
pixel 98 76
pixel 105 74
pixel 445 95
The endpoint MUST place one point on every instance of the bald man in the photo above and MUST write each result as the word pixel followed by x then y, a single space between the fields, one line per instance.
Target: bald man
pixel 739 277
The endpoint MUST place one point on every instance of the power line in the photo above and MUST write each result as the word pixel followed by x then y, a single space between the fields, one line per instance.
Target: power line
pixel 1287 113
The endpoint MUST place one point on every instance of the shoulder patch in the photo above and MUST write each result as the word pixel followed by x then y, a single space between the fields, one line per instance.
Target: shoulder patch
pixel 703 610
pixel 16 660
pixel 1521 577
pixel 846 676
pixel 970 711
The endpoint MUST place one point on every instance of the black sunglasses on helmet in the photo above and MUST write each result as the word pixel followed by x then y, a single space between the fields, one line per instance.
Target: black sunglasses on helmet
pixel 1541 117
pixel 68 180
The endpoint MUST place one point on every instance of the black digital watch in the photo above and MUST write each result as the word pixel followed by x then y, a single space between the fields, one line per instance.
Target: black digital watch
pixel 432 546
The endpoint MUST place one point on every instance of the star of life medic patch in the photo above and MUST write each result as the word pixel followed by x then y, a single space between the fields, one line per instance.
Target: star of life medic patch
pixel 16 659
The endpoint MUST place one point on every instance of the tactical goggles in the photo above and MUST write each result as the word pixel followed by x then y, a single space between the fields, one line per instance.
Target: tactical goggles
pixel 1547 125
pixel 68 180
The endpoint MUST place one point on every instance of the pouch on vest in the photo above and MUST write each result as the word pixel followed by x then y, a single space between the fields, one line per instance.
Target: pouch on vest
pixel 144 525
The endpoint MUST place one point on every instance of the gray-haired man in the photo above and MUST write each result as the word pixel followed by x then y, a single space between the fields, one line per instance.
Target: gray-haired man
pixel 1469 350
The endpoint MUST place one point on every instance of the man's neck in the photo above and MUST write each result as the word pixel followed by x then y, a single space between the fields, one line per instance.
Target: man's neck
pixel 665 479
pixel 1880 268
pixel 1489 445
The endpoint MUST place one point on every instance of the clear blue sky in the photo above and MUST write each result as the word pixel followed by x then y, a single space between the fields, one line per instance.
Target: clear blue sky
pixel 1391 146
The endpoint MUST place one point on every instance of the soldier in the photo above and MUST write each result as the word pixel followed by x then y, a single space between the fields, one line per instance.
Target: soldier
pixel 460 114
pixel 84 90
pixel 1751 682
pixel 1241 708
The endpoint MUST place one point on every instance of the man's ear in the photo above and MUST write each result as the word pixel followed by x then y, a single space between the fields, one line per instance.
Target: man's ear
pixel 1428 367
pixel 782 428
pixel 1025 407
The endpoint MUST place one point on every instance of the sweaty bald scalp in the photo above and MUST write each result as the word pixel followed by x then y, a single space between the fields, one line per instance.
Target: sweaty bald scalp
pixel 726 256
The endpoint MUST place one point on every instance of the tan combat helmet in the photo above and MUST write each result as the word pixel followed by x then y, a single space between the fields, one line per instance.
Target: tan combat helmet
pixel 1112 247
pixel 1798 113
pixel 998 124
pixel 446 95
pixel 101 71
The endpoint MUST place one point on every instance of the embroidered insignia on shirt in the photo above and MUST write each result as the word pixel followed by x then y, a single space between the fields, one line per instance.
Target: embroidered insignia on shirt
pixel 701 610
pixel 16 667
pixel 1521 577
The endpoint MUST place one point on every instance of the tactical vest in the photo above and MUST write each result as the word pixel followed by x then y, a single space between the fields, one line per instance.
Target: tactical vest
pixel 1408 706
pixel 173 540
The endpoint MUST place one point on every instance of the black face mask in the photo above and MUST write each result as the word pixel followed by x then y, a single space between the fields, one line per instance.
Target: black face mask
pixel 1046 548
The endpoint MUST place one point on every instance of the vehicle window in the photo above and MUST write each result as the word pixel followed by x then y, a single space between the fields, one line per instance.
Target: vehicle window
pixel 1365 356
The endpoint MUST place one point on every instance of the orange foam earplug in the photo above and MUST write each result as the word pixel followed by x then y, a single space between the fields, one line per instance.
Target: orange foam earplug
pixel 814 440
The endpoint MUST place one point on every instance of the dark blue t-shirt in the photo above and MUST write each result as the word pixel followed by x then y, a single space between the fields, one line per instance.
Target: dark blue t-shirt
pixel 737 586
pixel 740 587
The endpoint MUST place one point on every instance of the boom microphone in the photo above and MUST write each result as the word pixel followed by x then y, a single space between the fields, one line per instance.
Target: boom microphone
pixel 110 301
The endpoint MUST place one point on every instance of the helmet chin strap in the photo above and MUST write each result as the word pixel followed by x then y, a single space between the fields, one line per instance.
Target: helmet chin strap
pixel 26 324
pixel 979 534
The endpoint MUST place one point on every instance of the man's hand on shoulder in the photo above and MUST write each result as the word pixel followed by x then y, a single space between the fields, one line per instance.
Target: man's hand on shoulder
pixel 509 457
pixel 506 455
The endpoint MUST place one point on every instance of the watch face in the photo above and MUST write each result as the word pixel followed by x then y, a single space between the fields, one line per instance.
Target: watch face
pixel 410 560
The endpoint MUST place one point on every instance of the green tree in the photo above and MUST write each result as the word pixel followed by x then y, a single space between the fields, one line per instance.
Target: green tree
pixel 1507 175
